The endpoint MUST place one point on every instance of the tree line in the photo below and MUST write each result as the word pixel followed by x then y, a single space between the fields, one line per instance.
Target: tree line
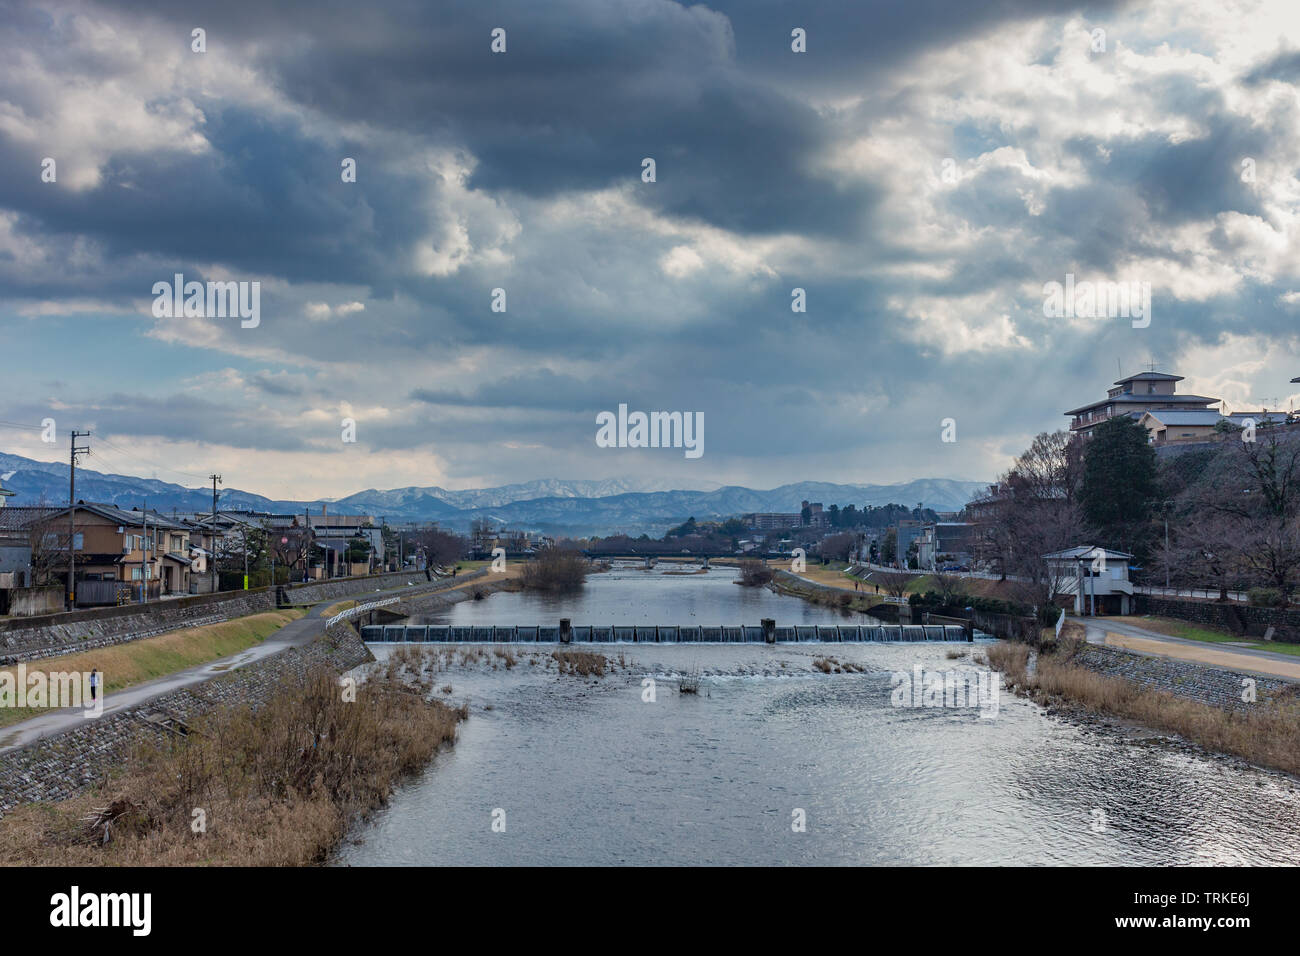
pixel 1223 515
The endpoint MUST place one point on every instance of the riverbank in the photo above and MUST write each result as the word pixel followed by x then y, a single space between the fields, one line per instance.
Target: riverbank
pixel 1253 718
pixel 823 595
pixel 276 785
pixel 1256 720
pixel 126 665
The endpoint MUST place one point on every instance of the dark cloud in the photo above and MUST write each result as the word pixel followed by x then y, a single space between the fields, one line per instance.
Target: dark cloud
pixel 741 130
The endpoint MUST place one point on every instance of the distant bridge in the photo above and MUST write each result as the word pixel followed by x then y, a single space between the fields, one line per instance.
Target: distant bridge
pixel 678 555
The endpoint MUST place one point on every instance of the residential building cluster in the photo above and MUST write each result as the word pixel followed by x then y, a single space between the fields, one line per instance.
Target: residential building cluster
pixel 127 555
pixel 810 515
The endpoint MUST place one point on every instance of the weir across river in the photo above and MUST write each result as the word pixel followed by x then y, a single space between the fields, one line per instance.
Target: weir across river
pixel 564 633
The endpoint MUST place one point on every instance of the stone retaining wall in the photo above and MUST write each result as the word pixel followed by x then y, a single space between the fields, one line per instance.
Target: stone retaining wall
pixel 56 767
pixel 1236 617
pixel 1207 685
pixel 86 629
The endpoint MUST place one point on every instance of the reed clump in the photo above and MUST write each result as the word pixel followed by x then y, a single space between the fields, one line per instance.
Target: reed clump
pixel 689 683
pixel 555 569
pixel 580 663
pixel 754 573
pixel 275 786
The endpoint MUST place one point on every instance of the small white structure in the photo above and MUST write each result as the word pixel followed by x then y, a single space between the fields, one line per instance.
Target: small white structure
pixel 1096 577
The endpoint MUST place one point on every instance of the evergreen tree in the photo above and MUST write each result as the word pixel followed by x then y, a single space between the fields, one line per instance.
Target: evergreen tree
pixel 1119 483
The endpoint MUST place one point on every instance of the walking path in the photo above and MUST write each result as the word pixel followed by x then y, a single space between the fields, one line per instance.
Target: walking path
pixel 1242 659
pixel 294 634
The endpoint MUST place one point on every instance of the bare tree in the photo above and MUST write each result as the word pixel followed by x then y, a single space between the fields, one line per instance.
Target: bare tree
pixel 1032 511
pixel 1243 516
pixel 950 587
pixel 290 546
pixel 47 536
pixel 894 583
pixel 440 547
pixel 837 546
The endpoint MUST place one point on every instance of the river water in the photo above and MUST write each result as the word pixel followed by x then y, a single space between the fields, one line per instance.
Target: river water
pixel 775 762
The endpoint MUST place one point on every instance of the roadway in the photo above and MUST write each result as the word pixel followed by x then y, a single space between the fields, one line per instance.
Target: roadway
pixel 1245 660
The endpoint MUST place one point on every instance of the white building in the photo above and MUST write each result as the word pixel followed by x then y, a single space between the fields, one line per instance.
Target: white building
pixel 1097 578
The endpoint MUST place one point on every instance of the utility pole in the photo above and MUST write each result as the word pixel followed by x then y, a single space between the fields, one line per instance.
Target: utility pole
pixel 144 554
pixel 213 536
pixel 72 514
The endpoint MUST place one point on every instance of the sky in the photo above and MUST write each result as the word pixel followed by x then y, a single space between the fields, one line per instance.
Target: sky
pixel 921 171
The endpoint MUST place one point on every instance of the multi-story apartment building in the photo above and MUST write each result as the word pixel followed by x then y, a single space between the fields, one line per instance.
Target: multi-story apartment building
pixel 1134 396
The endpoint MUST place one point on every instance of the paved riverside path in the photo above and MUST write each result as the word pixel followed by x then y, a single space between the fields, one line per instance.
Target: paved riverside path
pixel 1244 660
pixel 294 634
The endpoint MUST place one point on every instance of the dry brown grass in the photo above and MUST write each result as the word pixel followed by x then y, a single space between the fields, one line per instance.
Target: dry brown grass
pixel 277 786
pixel 832 665
pixel 1267 734
pixel 580 663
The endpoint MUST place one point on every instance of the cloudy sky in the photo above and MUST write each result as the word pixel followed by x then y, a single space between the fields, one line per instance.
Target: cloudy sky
pixel 921 171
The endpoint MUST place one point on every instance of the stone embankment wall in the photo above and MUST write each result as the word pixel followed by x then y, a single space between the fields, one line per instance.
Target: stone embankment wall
pixel 1236 617
pixel 58 766
pixel 55 634
pixel 1207 685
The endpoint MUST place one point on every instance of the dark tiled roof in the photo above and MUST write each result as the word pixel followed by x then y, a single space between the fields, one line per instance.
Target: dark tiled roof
pixel 17 517
pixel 1150 377
pixel 132 518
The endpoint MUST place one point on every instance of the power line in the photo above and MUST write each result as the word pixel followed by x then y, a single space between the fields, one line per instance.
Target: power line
pixel 136 457
pixel 133 456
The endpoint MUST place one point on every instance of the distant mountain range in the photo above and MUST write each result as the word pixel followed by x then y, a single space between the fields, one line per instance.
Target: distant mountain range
pixel 551 505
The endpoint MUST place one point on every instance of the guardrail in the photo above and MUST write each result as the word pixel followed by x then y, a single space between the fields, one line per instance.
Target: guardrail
pixel 360 609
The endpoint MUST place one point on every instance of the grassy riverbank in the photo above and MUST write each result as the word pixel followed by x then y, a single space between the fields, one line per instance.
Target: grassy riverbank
pixel 1268 734
pixel 842 599
pixel 276 787
pixel 124 665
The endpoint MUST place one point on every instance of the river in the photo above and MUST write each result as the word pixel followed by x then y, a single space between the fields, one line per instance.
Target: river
pixel 775 762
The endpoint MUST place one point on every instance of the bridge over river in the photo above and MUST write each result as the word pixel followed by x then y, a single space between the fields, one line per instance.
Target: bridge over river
pixel 565 633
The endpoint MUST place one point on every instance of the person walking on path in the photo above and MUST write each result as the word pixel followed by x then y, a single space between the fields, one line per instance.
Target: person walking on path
pixel 94 683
